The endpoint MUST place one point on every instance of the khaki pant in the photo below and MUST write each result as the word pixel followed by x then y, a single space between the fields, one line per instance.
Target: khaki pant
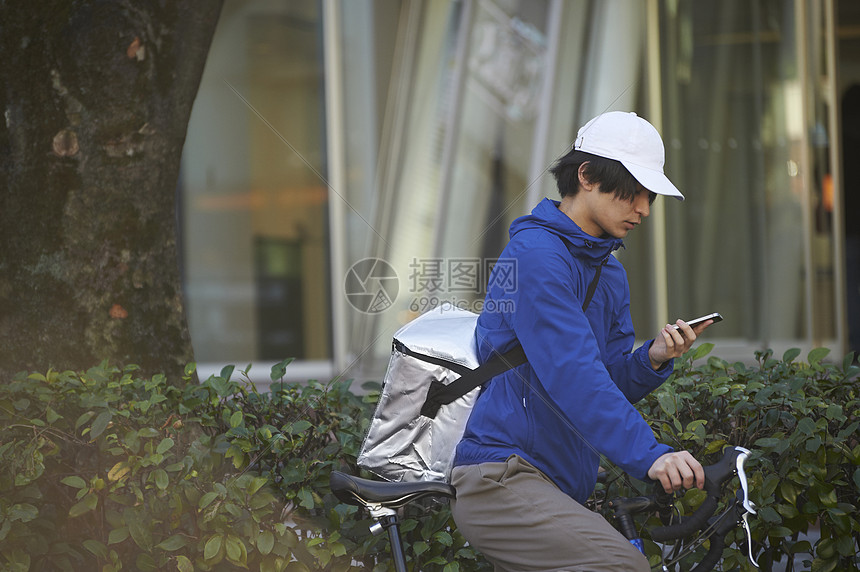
pixel 520 520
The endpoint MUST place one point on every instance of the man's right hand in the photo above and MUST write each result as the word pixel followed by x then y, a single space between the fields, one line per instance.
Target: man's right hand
pixel 677 470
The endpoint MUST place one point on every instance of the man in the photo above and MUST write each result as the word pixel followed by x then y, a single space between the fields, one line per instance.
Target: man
pixel 529 457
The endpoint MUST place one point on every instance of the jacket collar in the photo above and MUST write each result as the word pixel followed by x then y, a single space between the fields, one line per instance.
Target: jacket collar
pixel 546 215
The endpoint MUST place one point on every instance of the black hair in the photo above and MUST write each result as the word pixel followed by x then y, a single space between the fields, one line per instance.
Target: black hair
pixel 610 174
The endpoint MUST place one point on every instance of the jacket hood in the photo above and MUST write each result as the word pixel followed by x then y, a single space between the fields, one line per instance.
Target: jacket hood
pixel 547 216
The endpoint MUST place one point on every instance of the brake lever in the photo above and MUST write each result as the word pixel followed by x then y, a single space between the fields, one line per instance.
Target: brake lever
pixel 749 507
pixel 739 467
pixel 746 526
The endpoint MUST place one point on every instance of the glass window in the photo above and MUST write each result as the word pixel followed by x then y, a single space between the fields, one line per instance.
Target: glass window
pixel 455 159
pixel 254 197
pixel 734 128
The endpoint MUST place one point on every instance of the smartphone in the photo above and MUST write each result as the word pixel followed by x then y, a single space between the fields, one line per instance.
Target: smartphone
pixel 696 321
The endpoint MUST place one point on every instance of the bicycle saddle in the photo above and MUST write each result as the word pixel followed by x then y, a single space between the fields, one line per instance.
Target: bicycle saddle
pixel 364 492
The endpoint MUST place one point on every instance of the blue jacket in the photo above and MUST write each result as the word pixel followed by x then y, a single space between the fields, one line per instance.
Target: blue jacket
pixel 573 399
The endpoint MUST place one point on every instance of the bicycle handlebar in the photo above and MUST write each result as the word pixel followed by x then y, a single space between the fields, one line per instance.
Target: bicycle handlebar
pixel 716 476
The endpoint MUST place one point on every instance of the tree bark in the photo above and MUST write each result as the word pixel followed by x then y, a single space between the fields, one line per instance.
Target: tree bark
pixel 96 97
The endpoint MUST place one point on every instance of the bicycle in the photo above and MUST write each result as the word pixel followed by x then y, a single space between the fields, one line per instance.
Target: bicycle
pixel 383 499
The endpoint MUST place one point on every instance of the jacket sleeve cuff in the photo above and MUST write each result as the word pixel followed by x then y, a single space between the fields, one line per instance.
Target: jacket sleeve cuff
pixel 645 362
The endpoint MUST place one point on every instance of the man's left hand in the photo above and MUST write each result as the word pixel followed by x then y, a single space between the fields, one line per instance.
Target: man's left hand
pixel 672 343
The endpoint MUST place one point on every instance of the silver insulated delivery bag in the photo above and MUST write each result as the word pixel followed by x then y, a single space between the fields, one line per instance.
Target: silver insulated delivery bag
pixel 431 384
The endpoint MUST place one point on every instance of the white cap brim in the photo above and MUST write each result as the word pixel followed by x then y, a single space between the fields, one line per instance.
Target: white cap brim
pixel 654 181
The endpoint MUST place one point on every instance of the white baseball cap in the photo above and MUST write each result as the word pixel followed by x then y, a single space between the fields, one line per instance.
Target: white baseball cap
pixel 632 141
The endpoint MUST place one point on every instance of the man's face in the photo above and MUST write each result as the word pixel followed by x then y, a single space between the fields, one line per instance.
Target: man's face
pixel 607 215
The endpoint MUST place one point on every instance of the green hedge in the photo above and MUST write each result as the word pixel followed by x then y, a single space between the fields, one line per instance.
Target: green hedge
pixel 106 470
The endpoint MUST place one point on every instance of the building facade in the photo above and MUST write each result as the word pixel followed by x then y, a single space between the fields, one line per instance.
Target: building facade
pixel 351 163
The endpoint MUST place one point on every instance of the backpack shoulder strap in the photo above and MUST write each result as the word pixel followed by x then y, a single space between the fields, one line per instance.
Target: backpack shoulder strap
pixel 592 286
pixel 440 394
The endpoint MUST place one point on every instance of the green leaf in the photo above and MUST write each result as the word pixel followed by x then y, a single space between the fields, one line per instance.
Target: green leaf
pixel 420 547
pixel 88 503
pixel 715 446
pixel 234 549
pixel 692 426
pixel 117 535
pixel 279 369
pixel 667 404
pixel 789 491
pixel 236 419
pixel 845 545
pixel 307 500
pixel 183 564
pixel 23 512
pixel 119 471
pixel 146 563
pixel 100 424
pixel 84 417
pixel 817 355
pixel 813 444
pixel 767 442
pixel 161 479
pixel 52 415
pixel 256 484
pixel 207 499
pixel 265 542
pixel 443 538
pixel 221 387
pixel 701 351
pixel 139 527
pixel 226 372
pixel 96 547
pixel 828 497
pixel 212 547
pixel 790 355
pixel 834 411
pixel 74 481
pixel 767 514
pixel 718 390
pixel 165 445
pixel 806 426
pixel 299 427
pixel 175 542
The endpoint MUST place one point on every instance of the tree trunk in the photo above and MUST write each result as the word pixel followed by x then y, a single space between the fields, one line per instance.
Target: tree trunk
pixel 96 97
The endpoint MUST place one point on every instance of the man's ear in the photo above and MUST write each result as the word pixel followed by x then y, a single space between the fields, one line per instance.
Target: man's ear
pixel 584 183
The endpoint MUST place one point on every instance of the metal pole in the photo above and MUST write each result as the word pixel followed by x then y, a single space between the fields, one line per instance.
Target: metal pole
pixel 806 163
pixel 835 128
pixel 335 129
pixel 657 224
